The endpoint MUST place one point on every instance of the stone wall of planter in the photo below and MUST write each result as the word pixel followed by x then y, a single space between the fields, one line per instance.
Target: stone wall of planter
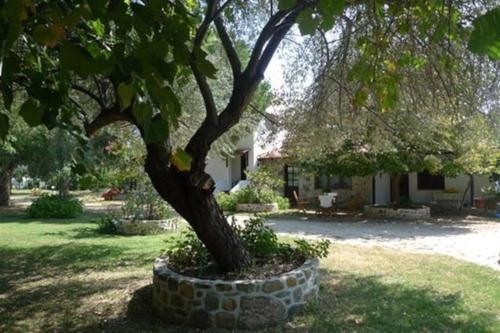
pixel 423 212
pixel 257 208
pixel 240 304
pixel 145 227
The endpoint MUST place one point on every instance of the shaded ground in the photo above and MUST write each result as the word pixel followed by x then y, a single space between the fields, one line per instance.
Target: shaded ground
pixel 474 239
pixel 63 276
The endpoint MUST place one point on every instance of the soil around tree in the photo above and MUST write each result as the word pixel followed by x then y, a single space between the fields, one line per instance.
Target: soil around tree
pixel 260 269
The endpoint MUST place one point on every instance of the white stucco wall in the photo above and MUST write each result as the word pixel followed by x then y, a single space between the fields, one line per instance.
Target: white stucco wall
pixel 220 172
pixel 382 189
pixel 459 183
pixel 480 182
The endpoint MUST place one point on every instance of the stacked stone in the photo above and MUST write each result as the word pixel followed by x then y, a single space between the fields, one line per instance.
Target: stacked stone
pixel 423 212
pixel 242 304
pixel 257 208
pixel 145 227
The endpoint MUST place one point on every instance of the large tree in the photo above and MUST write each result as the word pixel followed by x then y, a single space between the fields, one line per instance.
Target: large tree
pixel 127 57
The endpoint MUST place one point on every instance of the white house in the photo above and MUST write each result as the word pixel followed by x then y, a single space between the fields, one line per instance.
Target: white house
pixel 228 172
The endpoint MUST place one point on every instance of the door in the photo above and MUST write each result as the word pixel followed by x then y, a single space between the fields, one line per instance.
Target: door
pixel 400 187
pixel 291 182
pixel 243 166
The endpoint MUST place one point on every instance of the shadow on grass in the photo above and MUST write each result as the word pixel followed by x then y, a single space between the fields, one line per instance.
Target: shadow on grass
pixel 22 218
pixel 352 303
pixel 37 263
pixel 347 303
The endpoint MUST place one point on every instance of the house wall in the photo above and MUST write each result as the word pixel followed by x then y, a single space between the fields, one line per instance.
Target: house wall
pixel 459 183
pixel 220 172
pixel 382 189
pixel 360 186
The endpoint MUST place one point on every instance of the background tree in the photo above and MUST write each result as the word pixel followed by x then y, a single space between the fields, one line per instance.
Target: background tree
pixel 429 104
pixel 127 58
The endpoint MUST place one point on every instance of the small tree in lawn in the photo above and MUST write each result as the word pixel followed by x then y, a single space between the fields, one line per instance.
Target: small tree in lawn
pixel 128 57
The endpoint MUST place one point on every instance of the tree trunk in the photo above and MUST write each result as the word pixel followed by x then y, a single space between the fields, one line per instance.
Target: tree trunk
pixel 191 195
pixel 5 183
pixel 462 202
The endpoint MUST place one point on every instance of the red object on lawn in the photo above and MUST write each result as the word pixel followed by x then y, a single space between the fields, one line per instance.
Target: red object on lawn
pixel 110 194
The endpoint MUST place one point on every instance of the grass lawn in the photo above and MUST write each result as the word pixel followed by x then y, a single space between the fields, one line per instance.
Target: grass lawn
pixel 62 276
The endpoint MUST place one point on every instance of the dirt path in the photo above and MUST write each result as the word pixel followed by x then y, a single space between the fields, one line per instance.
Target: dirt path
pixel 472 239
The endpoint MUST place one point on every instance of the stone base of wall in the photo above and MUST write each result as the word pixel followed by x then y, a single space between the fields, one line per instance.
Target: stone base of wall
pixel 257 208
pixel 145 227
pixel 241 304
pixel 423 212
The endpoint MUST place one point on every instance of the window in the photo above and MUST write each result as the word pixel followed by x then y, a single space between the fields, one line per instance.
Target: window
pixel 333 182
pixel 426 181
pixel 292 176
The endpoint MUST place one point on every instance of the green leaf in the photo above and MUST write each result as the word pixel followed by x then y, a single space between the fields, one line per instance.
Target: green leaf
pixel 49 36
pixel 126 93
pixel 142 112
pixel 307 22
pixel 76 58
pixel 32 112
pixel 360 97
pixel 286 4
pixel 205 66
pixel 331 7
pixel 98 27
pixel 485 38
pixel 156 131
pixel 181 160
pixel 173 111
pixel 4 126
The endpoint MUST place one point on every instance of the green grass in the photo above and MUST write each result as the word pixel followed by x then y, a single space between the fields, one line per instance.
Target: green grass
pixel 62 275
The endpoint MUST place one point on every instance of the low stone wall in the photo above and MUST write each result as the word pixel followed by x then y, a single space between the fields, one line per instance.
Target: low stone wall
pixel 242 304
pixel 423 212
pixel 145 227
pixel 257 208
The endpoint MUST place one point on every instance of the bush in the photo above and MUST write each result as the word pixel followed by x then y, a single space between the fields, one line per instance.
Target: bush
pixel 106 225
pixel 54 206
pixel 251 195
pixel 283 203
pixel 260 241
pixel 226 201
pixel 146 205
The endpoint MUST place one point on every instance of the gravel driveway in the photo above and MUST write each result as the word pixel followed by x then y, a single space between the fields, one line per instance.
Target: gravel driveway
pixel 472 239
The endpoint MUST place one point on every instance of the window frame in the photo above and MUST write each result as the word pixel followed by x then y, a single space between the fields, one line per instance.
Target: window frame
pixel 429 182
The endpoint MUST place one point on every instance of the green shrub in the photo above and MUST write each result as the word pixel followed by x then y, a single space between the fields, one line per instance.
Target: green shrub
pixel 226 201
pixel 283 203
pixel 251 195
pixel 187 251
pixel 54 206
pixel 146 205
pixel 260 241
pixel 106 225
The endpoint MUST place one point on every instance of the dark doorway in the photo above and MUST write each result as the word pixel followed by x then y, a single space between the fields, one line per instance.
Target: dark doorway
pixel 400 187
pixel 243 165
pixel 291 182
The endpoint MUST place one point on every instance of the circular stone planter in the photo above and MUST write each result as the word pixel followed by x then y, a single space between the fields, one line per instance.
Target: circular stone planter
pixel 145 227
pixel 257 208
pixel 238 304
pixel 422 212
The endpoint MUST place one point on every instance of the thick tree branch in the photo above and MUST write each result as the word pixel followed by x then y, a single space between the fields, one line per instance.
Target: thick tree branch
pixel 231 53
pixel 89 94
pixel 105 118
